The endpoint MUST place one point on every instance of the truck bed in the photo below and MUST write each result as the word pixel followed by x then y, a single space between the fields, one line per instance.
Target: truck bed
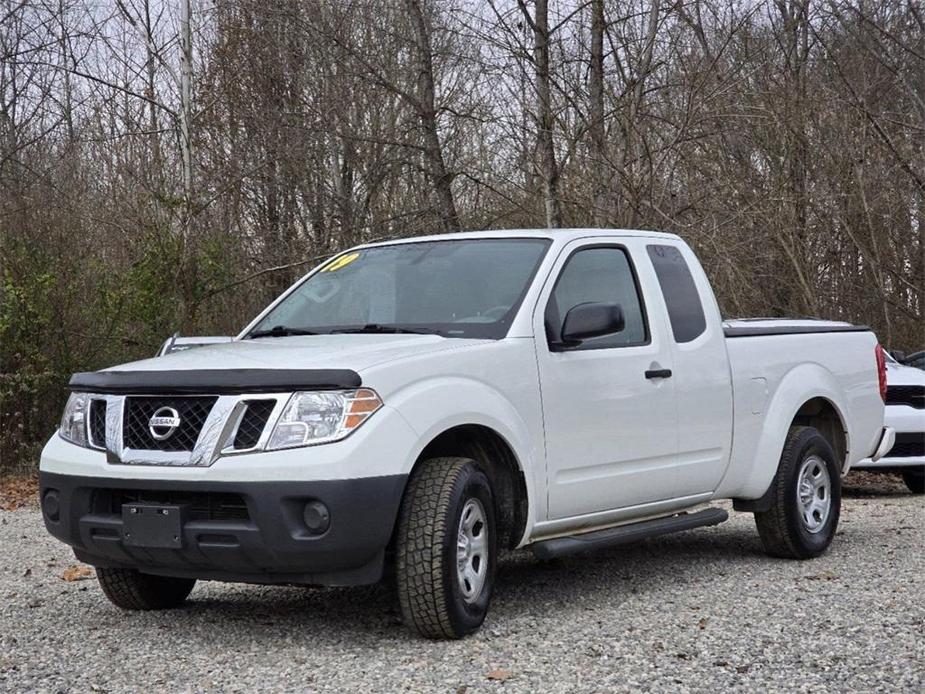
pixel 772 361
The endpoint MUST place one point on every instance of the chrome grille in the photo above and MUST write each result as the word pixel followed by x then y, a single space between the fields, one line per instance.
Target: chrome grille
pixel 252 423
pixel 98 423
pixel 192 411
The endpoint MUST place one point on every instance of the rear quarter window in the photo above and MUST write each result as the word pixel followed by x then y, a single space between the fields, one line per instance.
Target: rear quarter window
pixel 685 311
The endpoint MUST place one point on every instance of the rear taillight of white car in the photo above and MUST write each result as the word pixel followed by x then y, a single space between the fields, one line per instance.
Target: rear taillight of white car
pixel 881 370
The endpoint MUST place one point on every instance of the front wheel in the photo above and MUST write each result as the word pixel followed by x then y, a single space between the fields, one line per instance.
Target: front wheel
pixel 447 536
pixel 806 500
pixel 915 480
pixel 133 590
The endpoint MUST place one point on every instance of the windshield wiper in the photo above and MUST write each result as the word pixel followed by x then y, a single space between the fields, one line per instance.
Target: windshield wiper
pixel 380 328
pixel 279 331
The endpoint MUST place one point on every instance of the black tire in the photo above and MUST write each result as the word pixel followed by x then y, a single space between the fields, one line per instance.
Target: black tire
pixel 429 592
pixel 783 530
pixel 133 590
pixel 915 480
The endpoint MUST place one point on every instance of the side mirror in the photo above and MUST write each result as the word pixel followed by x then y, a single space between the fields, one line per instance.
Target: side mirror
pixel 584 321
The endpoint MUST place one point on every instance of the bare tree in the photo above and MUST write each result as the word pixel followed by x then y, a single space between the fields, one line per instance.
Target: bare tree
pixel 545 142
pixel 596 125
pixel 186 108
pixel 142 190
pixel 426 107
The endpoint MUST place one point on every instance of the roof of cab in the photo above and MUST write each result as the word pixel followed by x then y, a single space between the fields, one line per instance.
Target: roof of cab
pixel 554 234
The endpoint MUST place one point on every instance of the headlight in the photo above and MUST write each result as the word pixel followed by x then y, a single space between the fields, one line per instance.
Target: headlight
pixel 74 420
pixel 319 417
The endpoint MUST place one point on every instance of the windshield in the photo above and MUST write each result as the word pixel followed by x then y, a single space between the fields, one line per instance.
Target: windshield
pixel 458 288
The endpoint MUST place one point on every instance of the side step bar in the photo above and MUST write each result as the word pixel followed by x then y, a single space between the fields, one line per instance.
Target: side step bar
pixel 623 534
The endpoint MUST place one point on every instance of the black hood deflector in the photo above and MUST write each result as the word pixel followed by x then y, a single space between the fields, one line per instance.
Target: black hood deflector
pixel 212 381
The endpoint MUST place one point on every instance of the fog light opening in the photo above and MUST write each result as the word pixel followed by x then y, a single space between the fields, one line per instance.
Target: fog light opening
pixel 51 505
pixel 317 518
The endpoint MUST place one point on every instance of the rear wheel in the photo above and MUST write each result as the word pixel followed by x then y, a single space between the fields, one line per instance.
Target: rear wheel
pixel 133 590
pixel 806 499
pixel 915 480
pixel 445 563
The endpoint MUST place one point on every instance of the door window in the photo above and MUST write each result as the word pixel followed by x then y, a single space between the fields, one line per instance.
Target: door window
pixel 600 274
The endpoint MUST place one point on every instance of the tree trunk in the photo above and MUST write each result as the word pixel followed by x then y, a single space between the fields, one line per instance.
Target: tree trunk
pixel 600 212
pixel 186 145
pixel 549 169
pixel 150 81
pixel 795 16
pixel 65 61
pixel 189 263
pixel 440 178
pixel 635 149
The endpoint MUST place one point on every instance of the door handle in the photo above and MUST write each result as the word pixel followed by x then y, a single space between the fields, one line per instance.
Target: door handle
pixel 658 373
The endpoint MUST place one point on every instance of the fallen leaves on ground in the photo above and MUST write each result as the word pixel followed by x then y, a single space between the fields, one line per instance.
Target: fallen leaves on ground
pixel 19 491
pixel 77 572
pixel 498 675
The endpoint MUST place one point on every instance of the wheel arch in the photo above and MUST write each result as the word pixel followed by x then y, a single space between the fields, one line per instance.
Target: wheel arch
pixel 466 416
pixel 497 457
pixel 823 415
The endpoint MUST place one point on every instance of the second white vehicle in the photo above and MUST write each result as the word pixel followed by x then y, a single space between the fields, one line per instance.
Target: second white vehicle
pixel 410 408
pixel 905 412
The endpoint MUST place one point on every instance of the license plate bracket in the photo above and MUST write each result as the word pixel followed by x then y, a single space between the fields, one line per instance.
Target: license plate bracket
pixel 153 525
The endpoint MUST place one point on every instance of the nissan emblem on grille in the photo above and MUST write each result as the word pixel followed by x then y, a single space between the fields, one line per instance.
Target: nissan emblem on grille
pixel 163 423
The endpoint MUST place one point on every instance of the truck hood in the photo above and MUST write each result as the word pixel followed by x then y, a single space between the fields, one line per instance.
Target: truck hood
pixel 354 352
pixel 902 375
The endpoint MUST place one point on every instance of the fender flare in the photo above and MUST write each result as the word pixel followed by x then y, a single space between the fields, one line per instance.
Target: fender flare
pixel 801 384
pixel 422 405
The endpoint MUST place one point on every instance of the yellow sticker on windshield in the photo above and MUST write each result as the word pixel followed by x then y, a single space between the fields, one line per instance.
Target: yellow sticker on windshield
pixel 343 261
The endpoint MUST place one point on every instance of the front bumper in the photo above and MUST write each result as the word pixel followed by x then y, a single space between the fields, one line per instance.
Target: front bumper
pixel 907 449
pixel 890 463
pixel 232 530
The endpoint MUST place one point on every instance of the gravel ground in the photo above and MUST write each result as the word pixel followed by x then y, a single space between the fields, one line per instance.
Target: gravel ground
pixel 704 610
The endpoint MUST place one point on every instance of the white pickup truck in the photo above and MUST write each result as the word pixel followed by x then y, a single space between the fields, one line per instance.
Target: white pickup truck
pixel 411 408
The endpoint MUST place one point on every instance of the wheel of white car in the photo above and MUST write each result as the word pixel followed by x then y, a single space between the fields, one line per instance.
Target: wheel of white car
pixel 445 556
pixel 806 500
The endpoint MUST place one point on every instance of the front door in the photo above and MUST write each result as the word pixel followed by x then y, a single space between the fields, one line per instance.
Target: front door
pixel 610 423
